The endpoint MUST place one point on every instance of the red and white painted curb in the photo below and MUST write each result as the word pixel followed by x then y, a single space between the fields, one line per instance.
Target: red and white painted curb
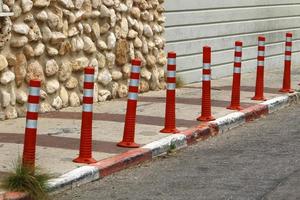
pixel 183 139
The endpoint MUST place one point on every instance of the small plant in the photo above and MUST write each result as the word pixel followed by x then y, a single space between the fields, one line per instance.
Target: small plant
pixel 28 180
pixel 172 147
pixel 179 82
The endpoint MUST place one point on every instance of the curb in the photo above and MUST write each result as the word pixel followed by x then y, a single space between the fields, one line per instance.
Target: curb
pixel 183 139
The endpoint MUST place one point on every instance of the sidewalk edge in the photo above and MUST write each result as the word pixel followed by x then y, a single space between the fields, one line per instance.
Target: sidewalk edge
pixel 185 138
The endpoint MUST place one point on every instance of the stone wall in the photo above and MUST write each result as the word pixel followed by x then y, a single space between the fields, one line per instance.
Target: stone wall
pixel 53 40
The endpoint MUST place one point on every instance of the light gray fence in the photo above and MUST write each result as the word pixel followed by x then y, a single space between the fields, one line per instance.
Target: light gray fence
pixel 191 24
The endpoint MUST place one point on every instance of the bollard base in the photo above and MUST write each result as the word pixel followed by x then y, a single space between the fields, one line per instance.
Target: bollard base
pixel 170 130
pixel 259 98
pixel 286 90
pixel 235 108
pixel 84 160
pixel 206 119
pixel 128 144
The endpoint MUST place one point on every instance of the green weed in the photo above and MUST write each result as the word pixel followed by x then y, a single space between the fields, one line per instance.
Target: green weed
pixel 28 180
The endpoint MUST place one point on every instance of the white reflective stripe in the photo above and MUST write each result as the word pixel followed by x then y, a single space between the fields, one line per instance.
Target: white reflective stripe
pixel 288 58
pixel 237 70
pixel 171 86
pixel 206 65
pixel 238 59
pixel 171 61
pixel 32 107
pixel 31 123
pixel 289 39
pixel 261 43
pixel 171 74
pixel 88 92
pixel 206 77
pixel 261 53
pixel 135 69
pixel 34 91
pixel 87 107
pixel 89 78
pixel 134 82
pixel 132 96
pixel 260 63
pixel 288 48
pixel 238 49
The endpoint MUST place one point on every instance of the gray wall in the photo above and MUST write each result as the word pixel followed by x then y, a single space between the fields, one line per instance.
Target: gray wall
pixel 191 24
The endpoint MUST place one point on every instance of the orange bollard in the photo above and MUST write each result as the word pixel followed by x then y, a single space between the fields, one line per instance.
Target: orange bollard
pixel 170 115
pixel 31 124
pixel 259 89
pixel 206 87
pixel 129 128
pixel 236 81
pixel 286 84
pixel 85 152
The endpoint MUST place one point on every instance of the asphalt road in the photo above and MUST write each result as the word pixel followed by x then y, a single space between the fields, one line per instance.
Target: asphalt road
pixel 260 160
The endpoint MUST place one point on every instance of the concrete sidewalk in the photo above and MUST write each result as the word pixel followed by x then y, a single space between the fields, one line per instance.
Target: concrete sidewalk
pixel 59 132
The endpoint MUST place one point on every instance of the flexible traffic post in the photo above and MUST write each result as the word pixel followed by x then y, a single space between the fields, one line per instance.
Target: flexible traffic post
pixel 170 114
pixel 130 119
pixel 286 84
pixel 259 88
pixel 85 151
pixel 29 147
pixel 206 87
pixel 236 81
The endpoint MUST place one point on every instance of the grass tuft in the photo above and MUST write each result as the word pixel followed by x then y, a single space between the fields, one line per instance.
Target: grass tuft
pixel 172 148
pixel 28 180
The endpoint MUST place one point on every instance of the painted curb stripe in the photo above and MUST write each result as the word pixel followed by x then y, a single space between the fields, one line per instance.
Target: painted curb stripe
pixel 75 177
pixel 122 161
pixel 276 103
pixel 163 145
pixel 229 121
pixel 255 112
pixel 194 134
